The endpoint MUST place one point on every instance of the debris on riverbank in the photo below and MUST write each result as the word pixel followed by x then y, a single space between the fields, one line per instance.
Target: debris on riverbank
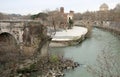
pixel 52 66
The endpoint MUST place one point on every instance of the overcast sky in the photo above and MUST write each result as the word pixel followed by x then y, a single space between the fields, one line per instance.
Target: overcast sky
pixel 25 7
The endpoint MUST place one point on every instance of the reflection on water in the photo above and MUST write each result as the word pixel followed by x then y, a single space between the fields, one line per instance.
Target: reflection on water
pixel 86 53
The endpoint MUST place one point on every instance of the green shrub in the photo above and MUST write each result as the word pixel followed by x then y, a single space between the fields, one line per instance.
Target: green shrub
pixel 54 58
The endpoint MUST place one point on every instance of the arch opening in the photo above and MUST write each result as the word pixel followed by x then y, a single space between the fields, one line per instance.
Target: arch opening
pixel 7 42
pixel 8 49
pixel 7 39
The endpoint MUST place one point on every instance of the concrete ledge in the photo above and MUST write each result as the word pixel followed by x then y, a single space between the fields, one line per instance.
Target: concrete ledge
pixel 69 37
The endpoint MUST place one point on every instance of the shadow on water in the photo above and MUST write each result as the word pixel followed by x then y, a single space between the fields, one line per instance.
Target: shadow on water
pixel 86 52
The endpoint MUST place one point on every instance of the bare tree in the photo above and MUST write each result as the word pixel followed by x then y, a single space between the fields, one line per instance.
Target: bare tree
pixel 57 19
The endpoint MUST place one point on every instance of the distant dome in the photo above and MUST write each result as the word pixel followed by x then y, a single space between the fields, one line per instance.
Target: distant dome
pixel 104 7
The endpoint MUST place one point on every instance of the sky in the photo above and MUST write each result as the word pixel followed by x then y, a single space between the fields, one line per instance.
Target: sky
pixel 25 7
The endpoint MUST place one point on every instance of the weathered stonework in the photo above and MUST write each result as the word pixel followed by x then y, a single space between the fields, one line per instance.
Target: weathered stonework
pixel 25 33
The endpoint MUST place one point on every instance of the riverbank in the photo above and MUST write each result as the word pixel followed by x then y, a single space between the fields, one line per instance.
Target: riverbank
pixel 113 30
pixel 69 37
pixel 48 66
pixel 113 27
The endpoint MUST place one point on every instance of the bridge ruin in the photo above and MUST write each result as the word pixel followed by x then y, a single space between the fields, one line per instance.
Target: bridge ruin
pixel 24 32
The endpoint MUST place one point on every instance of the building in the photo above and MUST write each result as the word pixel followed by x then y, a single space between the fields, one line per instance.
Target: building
pixel 70 14
pixel 104 7
pixel 67 16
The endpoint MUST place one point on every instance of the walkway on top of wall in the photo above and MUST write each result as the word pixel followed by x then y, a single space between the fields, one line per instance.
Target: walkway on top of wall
pixel 70 34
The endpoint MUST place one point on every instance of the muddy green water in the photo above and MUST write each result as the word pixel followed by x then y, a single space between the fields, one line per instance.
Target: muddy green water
pixel 86 52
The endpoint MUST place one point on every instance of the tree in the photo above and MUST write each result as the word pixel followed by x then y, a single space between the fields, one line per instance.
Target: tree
pixel 55 18
pixel 40 15
pixel 77 16
pixel 3 16
pixel 70 23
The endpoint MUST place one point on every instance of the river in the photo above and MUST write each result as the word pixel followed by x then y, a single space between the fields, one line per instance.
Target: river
pixel 87 52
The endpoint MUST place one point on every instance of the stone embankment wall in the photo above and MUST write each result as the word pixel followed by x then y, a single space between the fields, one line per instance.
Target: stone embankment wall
pixel 69 37
pixel 109 25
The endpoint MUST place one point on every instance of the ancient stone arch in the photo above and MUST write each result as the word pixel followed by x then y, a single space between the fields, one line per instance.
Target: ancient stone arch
pixel 7 38
pixel 23 31
pixel 16 34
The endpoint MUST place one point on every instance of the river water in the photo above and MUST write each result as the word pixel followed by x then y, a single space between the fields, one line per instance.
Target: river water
pixel 87 52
